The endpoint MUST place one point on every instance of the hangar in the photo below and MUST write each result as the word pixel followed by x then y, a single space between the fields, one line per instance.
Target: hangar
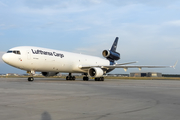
pixel 145 74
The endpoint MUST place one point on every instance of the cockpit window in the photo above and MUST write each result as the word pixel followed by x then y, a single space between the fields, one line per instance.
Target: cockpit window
pixel 14 51
pixel 18 52
pixel 9 51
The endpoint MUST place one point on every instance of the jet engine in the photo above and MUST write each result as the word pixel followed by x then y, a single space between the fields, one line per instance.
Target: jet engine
pixel 48 74
pixel 110 55
pixel 95 72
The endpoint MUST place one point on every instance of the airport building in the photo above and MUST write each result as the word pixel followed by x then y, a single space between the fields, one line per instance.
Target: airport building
pixel 145 74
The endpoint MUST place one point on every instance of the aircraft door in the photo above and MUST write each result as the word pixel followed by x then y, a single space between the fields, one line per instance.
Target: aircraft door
pixel 28 55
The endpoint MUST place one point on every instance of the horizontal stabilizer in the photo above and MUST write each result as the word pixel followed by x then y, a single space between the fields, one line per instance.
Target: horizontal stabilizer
pixel 174 64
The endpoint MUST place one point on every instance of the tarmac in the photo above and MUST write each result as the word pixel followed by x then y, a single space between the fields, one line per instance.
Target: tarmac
pixel 58 99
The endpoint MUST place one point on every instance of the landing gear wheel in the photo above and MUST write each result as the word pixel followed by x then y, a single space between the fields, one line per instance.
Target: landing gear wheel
pixel 102 79
pixel 69 77
pixel 30 79
pixel 85 78
pixel 99 79
pixel 73 78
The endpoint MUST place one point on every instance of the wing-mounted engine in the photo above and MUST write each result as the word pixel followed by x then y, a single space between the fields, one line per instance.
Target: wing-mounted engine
pixel 111 54
pixel 48 74
pixel 95 72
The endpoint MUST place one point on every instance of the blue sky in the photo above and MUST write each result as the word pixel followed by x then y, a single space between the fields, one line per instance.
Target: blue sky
pixel 148 30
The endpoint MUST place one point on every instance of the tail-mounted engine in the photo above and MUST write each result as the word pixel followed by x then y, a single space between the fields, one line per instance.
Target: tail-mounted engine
pixel 48 74
pixel 111 54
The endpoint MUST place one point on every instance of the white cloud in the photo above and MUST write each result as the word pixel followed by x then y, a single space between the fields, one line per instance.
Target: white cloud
pixel 51 7
pixel 1 34
pixel 3 26
pixel 2 4
pixel 146 2
pixel 86 50
pixel 79 28
pixel 173 23
pixel 95 1
pixel 39 4
pixel 49 11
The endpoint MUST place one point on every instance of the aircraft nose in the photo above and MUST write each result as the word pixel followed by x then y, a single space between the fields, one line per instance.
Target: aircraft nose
pixel 5 58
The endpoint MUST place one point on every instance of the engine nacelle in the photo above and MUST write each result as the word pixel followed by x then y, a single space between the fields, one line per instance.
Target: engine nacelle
pixel 111 55
pixel 48 74
pixel 95 72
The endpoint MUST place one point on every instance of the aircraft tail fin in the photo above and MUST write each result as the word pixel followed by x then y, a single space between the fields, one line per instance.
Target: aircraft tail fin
pixel 114 46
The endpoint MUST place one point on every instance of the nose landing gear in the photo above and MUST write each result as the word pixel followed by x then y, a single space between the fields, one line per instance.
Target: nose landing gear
pixel 32 72
pixel 30 79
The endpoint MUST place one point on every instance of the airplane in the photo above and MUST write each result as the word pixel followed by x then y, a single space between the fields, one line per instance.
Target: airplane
pixel 50 62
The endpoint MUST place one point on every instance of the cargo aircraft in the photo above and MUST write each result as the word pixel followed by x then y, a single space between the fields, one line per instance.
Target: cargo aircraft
pixel 50 62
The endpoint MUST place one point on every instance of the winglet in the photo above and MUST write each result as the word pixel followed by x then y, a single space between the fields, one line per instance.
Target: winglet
pixel 174 64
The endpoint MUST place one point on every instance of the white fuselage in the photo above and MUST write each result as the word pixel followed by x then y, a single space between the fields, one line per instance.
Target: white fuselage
pixel 48 60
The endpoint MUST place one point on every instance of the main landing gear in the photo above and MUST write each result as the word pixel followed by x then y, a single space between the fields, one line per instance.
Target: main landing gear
pixel 70 77
pixel 86 78
pixel 96 79
pixel 99 79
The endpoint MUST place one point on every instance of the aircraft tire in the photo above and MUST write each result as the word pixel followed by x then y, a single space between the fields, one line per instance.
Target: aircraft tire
pixel 85 78
pixel 102 79
pixel 70 78
pixel 96 79
pixel 30 79
pixel 67 78
pixel 99 79
pixel 73 78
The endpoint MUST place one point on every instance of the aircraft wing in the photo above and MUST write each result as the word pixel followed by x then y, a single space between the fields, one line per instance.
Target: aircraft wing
pixel 125 67
pixel 122 66
pixel 127 63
